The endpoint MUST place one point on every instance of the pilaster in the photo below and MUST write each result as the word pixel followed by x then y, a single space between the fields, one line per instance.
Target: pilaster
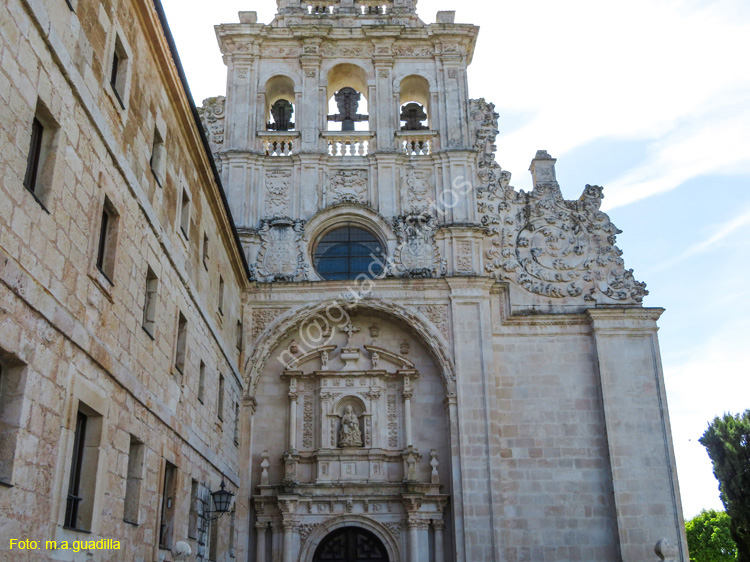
pixel 646 493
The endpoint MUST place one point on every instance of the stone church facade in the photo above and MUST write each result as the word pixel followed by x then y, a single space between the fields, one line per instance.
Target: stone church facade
pixel 321 292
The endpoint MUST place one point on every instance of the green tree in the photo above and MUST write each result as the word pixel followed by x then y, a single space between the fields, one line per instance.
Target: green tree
pixel 727 441
pixel 709 537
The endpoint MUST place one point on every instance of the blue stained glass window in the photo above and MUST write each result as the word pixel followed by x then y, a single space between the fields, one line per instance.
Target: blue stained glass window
pixel 348 252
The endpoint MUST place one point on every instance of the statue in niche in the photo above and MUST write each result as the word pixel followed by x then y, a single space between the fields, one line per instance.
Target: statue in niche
pixel 281 111
pixel 347 100
pixel 350 435
pixel 414 114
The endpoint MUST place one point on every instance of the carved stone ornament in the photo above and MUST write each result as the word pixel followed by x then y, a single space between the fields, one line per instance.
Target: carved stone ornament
pixel 418 186
pixel 417 254
pixel 281 257
pixel 349 186
pixel 212 118
pixel 278 189
pixel 549 246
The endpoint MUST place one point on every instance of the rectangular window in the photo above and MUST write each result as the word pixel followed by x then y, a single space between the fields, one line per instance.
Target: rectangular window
pixel 202 382
pixel 106 248
pixel 205 251
pixel 40 161
pixel 84 462
pixel 134 478
pixel 236 423
pixel 35 154
pixel 185 215
pixel 180 350
pixel 194 510
pixel 220 400
pixel 239 335
pixel 166 527
pixel 159 158
pixel 76 470
pixel 119 71
pixel 149 305
pixel 221 295
pixel 12 385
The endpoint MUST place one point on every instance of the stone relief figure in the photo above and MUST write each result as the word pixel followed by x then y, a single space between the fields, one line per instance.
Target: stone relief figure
pixel 350 435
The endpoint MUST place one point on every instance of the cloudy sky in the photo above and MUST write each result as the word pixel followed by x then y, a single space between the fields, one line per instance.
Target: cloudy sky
pixel 649 98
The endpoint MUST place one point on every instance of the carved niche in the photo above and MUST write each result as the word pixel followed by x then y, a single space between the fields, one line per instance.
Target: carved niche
pixel 348 186
pixel 278 193
pixel 281 256
pixel 548 245
pixel 417 254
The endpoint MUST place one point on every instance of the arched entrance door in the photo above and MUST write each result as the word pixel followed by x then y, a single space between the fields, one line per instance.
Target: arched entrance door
pixel 351 544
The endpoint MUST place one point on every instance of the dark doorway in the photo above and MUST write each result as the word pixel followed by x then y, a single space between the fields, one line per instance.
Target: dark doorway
pixel 351 544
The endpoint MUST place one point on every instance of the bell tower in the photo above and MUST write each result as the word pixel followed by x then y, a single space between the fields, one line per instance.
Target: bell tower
pixel 348 101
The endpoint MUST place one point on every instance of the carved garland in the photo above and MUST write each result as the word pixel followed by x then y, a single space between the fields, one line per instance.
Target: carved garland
pixel 548 245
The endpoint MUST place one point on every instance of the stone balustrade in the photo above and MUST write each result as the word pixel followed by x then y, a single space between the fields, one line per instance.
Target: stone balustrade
pixel 281 143
pixel 320 7
pixel 350 143
pixel 417 143
pixel 374 7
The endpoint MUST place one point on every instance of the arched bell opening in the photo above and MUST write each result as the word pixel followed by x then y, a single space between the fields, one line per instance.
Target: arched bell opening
pixel 414 96
pixel 280 108
pixel 347 99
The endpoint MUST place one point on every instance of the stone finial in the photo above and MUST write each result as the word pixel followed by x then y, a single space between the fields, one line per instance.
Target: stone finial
pixel 543 169
pixel 181 550
pixel 248 17
pixel 264 479
pixel 667 550
pixel 446 16
pixel 435 478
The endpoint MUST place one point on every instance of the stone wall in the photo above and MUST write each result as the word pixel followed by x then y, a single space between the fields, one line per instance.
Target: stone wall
pixel 78 336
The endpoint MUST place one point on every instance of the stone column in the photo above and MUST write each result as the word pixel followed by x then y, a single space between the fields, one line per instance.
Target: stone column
pixel 407 394
pixel 438 525
pixel 413 525
pixel 293 419
pixel 276 542
pixel 646 494
pixel 288 542
pixel 260 541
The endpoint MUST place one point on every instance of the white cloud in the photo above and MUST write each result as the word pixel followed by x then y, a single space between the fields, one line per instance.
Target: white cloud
pixel 710 243
pixel 668 73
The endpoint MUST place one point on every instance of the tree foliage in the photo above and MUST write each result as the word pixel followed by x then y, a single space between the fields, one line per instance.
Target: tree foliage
pixel 709 537
pixel 727 441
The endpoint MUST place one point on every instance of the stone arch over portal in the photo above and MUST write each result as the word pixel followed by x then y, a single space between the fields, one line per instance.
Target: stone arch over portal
pixel 322 531
pixel 428 334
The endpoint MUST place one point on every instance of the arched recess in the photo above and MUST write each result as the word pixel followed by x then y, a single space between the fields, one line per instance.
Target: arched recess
pixel 415 88
pixel 348 75
pixel 322 531
pixel 279 87
pixel 285 325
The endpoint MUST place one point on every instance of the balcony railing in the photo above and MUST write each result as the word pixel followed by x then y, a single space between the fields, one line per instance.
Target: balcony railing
pixel 351 143
pixel 374 7
pixel 417 143
pixel 319 7
pixel 280 143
